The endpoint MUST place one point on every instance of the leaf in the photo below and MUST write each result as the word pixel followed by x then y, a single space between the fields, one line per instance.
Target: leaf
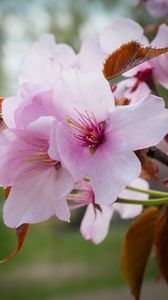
pixel 137 247
pixel 127 57
pixel 161 243
pixel 21 232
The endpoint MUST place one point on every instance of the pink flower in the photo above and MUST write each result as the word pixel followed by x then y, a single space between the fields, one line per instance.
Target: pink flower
pixel 96 222
pixel 38 179
pixel 157 8
pixel 97 140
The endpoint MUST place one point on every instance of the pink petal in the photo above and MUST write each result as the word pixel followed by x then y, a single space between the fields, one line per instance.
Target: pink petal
pixel 130 210
pixel 42 126
pixel 35 103
pixel 160 64
pixel 141 93
pixel 9 106
pixel 142 124
pixel 157 8
pixel 121 31
pixel 45 61
pixel 11 164
pixel 91 56
pixel 83 92
pixel 109 173
pixel 95 226
pixel 37 197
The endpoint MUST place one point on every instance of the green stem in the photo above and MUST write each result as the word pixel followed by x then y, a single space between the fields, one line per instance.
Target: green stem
pixel 159 201
pixel 149 192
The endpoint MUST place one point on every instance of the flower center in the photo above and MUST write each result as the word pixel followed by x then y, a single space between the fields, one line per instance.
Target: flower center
pixel 88 131
pixel 36 155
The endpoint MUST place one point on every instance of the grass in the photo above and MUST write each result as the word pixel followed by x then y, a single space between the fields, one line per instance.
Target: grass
pixel 71 264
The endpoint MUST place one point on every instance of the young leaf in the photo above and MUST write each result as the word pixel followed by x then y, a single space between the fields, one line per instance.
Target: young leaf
pixel 21 232
pixel 136 248
pixel 127 57
pixel 161 243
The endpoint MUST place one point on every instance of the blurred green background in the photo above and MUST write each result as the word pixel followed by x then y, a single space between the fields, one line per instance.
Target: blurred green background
pixel 56 261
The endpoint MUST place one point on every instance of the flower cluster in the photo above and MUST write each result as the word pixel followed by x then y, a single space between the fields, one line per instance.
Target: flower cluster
pixel 67 138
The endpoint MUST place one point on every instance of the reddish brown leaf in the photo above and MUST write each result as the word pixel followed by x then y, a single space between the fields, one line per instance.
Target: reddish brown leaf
pixel 136 248
pixel 127 57
pixel 161 243
pixel 21 232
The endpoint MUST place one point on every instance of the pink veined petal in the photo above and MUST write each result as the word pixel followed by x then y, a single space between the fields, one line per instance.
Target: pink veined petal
pixel 9 105
pixel 42 126
pixel 73 157
pixel 47 48
pixel 45 45
pixel 18 146
pixel 109 173
pixel 95 224
pixel 35 103
pixel 78 91
pixel 37 197
pixel 127 211
pixel 141 93
pixel 108 168
pixel 45 61
pixel 91 56
pixel 10 159
pixel 142 124
pixel 34 70
pixel 121 31
pixel 160 64
pixel 53 145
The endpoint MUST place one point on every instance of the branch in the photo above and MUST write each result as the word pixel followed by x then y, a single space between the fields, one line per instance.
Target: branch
pixel 158 155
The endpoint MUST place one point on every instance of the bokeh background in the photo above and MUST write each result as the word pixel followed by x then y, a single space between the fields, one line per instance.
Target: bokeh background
pixel 56 262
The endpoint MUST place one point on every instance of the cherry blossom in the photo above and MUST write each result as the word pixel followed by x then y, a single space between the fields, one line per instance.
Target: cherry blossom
pixel 97 139
pixel 39 182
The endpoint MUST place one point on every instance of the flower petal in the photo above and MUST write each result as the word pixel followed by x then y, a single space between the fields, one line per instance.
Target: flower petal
pixel 142 124
pixel 160 64
pixel 38 196
pixel 84 92
pixel 91 56
pixel 127 211
pixel 121 31
pixel 95 224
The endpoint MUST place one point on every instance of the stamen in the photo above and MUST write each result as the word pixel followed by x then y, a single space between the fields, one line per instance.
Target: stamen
pixel 89 131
